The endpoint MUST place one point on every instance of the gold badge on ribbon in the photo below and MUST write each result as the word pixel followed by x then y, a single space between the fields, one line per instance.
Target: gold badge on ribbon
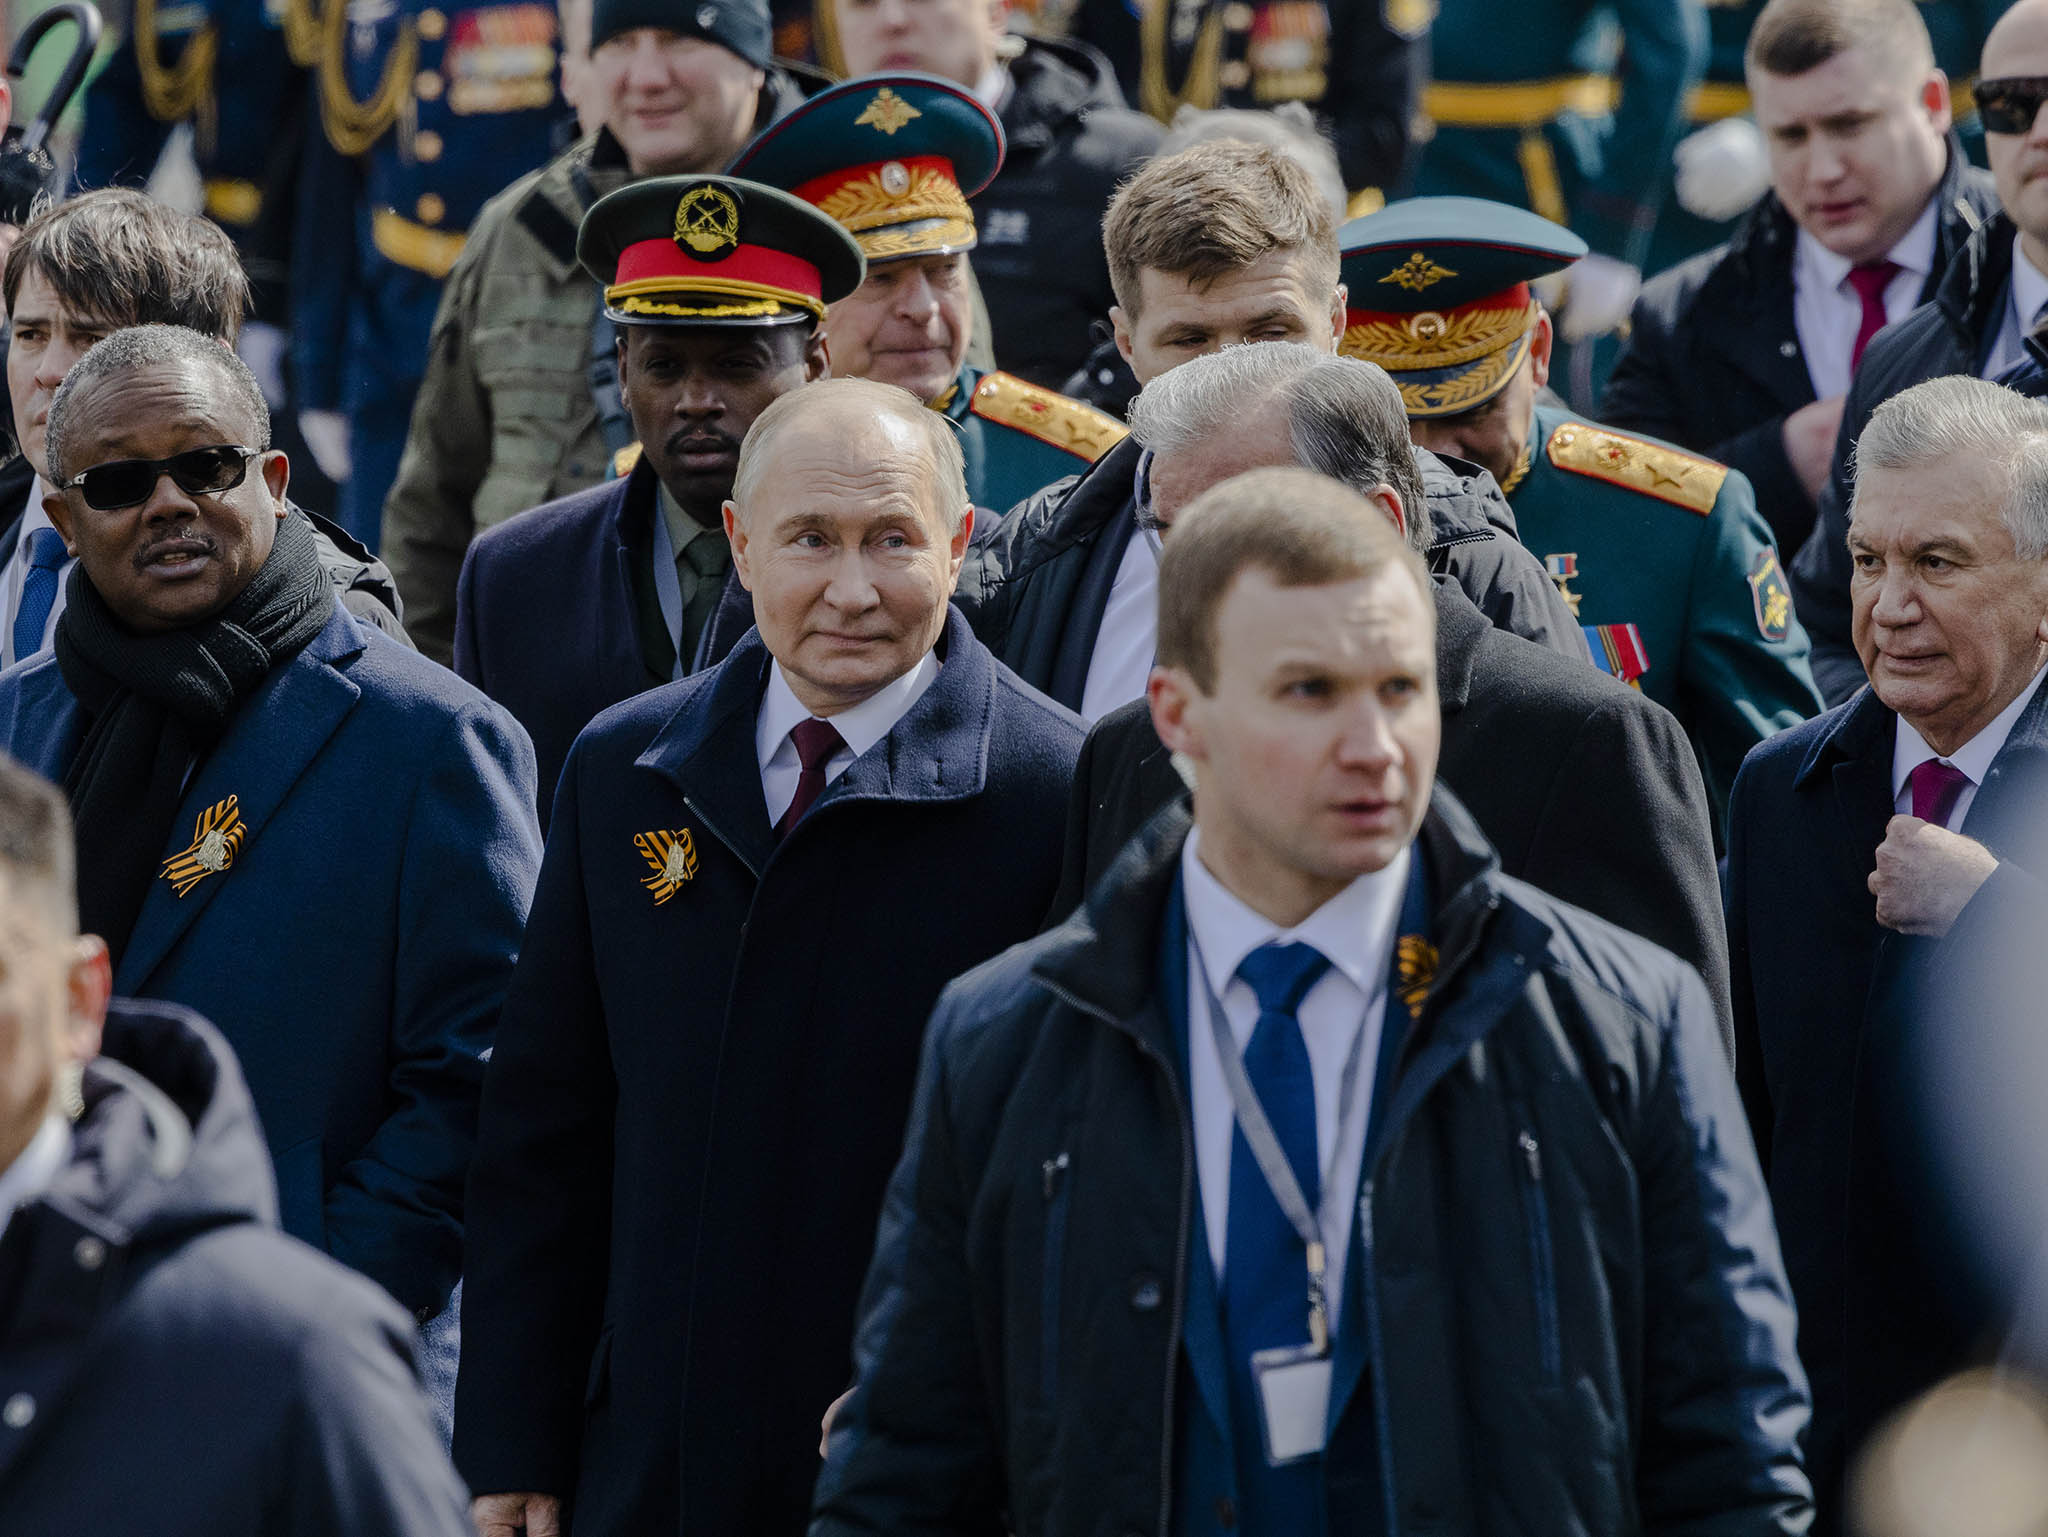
pixel 216 838
pixel 1415 969
pixel 672 857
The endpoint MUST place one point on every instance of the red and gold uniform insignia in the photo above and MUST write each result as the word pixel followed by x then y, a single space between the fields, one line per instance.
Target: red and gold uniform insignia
pixel 1052 418
pixel 1635 464
pixel 216 839
pixel 673 858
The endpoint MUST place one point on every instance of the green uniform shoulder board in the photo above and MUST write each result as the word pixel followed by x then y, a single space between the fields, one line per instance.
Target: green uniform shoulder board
pixel 1636 464
pixel 624 460
pixel 1052 418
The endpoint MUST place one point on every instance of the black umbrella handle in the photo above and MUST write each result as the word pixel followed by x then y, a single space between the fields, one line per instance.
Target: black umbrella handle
pixel 86 18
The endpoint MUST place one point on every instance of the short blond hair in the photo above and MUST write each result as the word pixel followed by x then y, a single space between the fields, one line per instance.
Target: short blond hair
pixel 1213 209
pixel 1302 529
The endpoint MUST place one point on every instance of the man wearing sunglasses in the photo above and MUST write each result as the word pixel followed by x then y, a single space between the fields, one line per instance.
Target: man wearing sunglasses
pixel 314 837
pixel 1986 318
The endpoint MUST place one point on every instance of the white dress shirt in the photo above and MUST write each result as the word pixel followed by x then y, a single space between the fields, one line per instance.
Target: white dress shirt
pixel 32 518
pixel 2027 296
pixel 1826 313
pixel 1356 930
pixel 860 727
pixel 36 1169
pixel 1121 663
pixel 1910 750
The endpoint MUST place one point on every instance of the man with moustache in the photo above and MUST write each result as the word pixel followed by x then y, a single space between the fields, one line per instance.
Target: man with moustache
pixel 604 594
pixel 757 881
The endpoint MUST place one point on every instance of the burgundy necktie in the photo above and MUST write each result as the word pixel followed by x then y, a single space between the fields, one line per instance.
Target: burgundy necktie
pixel 1935 788
pixel 816 742
pixel 1870 281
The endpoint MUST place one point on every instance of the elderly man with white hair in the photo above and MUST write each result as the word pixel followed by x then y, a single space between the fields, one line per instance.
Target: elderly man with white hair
pixel 756 882
pixel 1585 788
pixel 1886 894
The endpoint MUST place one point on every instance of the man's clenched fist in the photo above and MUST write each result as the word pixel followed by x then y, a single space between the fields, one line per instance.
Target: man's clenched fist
pixel 1926 875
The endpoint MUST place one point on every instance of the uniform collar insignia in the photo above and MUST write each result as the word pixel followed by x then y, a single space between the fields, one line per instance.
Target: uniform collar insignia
pixel 216 840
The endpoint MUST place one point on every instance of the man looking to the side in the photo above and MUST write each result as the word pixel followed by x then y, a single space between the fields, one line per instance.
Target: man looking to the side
pixel 757 881
pixel 146 1298
pixel 1745 352
pixel 604 594
pixel 1206 1189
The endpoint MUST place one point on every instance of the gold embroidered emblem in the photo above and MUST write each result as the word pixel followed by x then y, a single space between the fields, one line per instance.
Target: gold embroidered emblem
pixel 1080 429
pixel 707 220
pixel 886 113
pixel 672 857
pixel 1636 464
pixel 1417 273
pixel 1414 971
pixel 216 839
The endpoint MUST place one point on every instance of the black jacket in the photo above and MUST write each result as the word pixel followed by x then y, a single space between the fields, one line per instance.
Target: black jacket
pixel 1951 334
pixel 1069 140
pixel 1604 809
pixel 699 1086
pixel 1034 586
pixel 1563 1268
pixel 1712 360
pixel 1836 1019
pixel 173 1364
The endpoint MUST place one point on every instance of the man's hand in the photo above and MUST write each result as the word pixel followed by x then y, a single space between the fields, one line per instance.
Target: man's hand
pixel 831 1413
pixel 1721 169
pixel 1599 293
pixel 1809 435
pixel 510 1515
pixel 1926 875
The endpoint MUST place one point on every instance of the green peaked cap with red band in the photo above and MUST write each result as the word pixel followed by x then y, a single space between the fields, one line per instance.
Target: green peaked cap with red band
pixel 1438 295
pixel 715 250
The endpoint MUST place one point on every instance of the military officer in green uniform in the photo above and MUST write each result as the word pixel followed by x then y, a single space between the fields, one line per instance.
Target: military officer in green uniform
pixel 1661 553
pixel 894 159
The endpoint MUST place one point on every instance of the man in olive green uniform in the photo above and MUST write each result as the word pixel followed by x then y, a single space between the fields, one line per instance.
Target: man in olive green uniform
pixel 1661 553
pixel 894 159
pixel 507 416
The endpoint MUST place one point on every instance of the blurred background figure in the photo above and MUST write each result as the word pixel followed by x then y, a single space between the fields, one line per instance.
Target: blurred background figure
pixel 1968 1456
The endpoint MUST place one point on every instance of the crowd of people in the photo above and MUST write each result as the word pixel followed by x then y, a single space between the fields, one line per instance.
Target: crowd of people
pixel 948 767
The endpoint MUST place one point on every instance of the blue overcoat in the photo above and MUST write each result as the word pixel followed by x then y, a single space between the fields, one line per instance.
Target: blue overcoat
pixel 356 948
pixel 701 1080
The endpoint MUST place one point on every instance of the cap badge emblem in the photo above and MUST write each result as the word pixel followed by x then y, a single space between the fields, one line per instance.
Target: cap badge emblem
pixel 708 221
pixel 706 14
pixel 895 178
pixel 672 856
pixel 216 839
pixel 1417 273
pixel 886 113
pixel 1428 326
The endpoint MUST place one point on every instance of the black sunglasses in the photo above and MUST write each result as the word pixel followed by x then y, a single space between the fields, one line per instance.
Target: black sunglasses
pixel 2008 106
pixel 197 472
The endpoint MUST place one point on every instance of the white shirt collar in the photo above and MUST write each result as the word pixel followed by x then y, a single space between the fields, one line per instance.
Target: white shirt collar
pixel 2029 288
pixel 1355 928
pixel 860 726
pixel 36 1169
pixel 1913 252
pixel 1974 757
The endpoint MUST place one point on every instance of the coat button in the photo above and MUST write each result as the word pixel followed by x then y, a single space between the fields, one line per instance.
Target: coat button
pixel 1788 349
pixel 90 1253
pixel 433 24
pixel 430 208
pixel 1145 1291
pixel 427 85
pixel 1226 1511
pixel 18 1411
pixel 426 145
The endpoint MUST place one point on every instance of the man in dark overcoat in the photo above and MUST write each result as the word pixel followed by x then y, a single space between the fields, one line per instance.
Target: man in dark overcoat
pixel 1886 895
pixel 169 1362
pixel 1584 786
pixel 608 592
pixel 757 881
pixel 308 833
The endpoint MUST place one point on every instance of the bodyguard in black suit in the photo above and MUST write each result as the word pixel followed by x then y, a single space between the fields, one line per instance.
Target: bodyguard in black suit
pixel 1745 352
pixel 606 593
pixel 756 883
pixel 1886 897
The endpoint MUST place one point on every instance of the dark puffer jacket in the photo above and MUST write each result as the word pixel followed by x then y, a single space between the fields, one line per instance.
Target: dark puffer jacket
pixel 1564 1270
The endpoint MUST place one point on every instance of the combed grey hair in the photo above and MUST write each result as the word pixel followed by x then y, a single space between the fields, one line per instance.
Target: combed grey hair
pixel 151 347
pixel 1290 128
pixel 1345 416
pixel 1972 418
pixel 945 465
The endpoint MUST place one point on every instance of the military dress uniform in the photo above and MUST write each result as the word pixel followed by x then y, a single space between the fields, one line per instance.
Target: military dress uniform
pixel 894 158
pixel 425 113
pixel 1661 553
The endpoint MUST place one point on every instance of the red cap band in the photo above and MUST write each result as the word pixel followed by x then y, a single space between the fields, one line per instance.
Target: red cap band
pixel 664 259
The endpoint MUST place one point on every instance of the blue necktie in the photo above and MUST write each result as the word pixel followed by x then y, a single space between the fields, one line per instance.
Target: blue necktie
pixel 38 591
pixel 1265 1264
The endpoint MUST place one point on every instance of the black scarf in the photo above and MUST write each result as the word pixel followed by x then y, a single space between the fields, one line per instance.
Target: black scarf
pixel 156 704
